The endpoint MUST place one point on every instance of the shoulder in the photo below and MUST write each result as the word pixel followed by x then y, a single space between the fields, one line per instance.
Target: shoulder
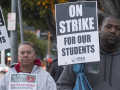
pixel 4 82
pixel 45 80
pixel 65 80
pixel 12 65
pixel 43 73
pixel 7 75
pixel 55 64
pixel 40 72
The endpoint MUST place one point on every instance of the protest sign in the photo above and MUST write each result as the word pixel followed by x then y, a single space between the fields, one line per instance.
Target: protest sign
pixel 23 81
pixel 4 40
pixel 77 32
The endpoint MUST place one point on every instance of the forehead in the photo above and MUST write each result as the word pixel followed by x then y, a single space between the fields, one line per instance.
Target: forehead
pixel 112 21
pixel 25 48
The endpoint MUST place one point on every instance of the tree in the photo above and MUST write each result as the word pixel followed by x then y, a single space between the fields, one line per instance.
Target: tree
pixel 5 8
pixel 43 10
pixel 40 45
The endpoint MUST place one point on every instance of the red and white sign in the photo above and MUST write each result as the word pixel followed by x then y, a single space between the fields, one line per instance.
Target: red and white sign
pixel 22 81
pixel 11 21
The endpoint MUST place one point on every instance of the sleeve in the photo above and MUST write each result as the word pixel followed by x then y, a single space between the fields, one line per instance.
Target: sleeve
pixel 67 79
pixel 51 85
pixel 52 71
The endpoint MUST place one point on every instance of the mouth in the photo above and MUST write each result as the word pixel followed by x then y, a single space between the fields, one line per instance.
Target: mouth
pixel 25 59
pixel 111 37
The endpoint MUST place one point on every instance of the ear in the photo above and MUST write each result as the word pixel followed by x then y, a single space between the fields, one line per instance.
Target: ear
pixel 34 55
pixel 99 29
pixel 18 57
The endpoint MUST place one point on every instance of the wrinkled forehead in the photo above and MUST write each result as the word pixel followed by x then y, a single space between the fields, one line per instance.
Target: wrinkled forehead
pixel 25 48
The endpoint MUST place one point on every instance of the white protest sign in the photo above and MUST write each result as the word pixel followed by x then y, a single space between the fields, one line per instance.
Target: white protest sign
pixel 77 32
pixel 11 21
pixel 23 81
pixel 4 40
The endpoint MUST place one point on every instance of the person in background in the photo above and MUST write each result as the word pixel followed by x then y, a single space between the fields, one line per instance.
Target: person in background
pixel 56 70
pixel 48 64
pixel 28 64
pixel 105 74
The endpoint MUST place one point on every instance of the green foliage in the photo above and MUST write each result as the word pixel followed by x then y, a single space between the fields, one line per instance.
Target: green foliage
pixel 34 12
pixel 37 22
pixel 37 10
pixel 40 46
pixel 5 4
pixel 6 8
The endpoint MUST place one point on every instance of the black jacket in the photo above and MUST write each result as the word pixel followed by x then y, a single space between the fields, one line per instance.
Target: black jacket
pixel 56 71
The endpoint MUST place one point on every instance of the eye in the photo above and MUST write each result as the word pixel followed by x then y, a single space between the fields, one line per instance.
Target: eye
pixel 118 28
pixel 21 52
pixel 29 52
pixel 108 27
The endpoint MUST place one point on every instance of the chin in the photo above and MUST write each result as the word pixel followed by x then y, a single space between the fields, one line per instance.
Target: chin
pixel 25 64
pixel 112 43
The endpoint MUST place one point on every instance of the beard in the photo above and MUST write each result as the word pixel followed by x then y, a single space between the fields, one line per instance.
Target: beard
pixel 111 43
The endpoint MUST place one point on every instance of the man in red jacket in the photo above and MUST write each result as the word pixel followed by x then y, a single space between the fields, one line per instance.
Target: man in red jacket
pixel 27 73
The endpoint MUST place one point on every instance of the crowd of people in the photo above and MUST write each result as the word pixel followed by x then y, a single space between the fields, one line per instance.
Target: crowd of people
pixel 101 75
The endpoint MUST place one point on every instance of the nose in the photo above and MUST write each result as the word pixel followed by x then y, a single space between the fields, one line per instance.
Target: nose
pixel 113 30
pixel 25 54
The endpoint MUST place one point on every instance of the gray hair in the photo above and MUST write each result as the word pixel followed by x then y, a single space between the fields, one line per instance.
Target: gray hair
pixel 27 43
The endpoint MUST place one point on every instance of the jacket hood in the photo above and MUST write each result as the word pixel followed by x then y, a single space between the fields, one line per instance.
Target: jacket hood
pixel 17 65
pixel 111 66
pixel 111 54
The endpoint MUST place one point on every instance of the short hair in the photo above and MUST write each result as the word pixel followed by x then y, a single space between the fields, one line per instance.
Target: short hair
pixel 110 16
pixel 27 43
